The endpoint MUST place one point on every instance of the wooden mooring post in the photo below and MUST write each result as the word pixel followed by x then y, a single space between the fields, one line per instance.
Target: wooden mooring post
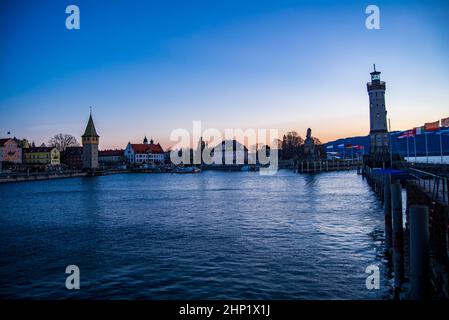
pixel 398 236
pixel 419 252
pixel 387 214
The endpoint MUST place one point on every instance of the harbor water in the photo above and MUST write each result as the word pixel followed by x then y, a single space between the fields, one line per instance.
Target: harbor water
pixel 214 235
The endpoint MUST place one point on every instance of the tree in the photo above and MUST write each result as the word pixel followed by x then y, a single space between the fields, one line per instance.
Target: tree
pixel 283 148
pixel 319 148
pixel 316 141
pixel 63 141
pixel 291 145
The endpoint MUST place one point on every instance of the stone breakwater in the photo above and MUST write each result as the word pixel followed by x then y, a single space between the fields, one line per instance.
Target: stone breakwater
pixel 10 178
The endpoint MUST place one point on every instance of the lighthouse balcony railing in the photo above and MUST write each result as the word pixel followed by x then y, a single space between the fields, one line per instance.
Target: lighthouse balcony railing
pixel 376 85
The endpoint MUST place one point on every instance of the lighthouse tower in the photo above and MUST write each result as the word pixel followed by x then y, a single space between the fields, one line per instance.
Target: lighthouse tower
pixel 90 140
pixel 379 146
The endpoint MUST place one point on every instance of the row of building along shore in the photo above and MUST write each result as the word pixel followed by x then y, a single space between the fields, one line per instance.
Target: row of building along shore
pixel 20 155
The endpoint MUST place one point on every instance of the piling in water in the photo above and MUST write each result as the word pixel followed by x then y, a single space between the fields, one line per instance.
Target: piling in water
pixel 419 251
pixel 398 235
pixel 387 213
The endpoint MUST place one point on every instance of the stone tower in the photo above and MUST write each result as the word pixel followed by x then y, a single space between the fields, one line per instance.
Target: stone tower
pixel 379 141
pixel 309 147
pixel 90 140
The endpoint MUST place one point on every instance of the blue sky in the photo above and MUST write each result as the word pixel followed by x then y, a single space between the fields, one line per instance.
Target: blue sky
pixel 148 67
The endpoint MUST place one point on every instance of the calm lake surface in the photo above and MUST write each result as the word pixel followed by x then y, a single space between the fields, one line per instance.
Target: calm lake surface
pixel 213 235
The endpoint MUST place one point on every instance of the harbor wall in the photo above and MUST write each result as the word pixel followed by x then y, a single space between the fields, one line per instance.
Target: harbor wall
pixel 438 231
pixel 11 178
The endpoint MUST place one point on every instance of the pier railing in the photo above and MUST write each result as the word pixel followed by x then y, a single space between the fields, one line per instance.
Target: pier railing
pixel 438 168
pixel 435 185
pixel 320 166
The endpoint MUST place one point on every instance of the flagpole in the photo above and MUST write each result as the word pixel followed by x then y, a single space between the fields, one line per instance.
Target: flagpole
pixel 408 151
pixel 352 151
pixel 414 141
pixel 391 144
pixel 427 152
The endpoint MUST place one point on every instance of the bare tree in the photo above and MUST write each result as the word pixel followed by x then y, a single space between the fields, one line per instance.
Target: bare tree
pixel 316 141
pixel 63 141
pixel 291 145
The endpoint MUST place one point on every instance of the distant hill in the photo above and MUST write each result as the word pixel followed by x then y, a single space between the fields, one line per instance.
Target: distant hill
pixel 400 145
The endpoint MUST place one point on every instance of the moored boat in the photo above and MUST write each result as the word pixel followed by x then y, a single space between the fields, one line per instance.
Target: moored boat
pixel 187 170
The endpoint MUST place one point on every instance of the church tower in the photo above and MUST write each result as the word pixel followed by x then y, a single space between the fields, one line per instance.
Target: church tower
pixel 379 142
pixel 90 140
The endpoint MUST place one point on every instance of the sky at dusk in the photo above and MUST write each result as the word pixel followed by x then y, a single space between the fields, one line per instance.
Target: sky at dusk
pixel 149 67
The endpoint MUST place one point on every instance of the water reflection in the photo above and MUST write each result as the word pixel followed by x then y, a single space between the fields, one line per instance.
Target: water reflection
pixel 213 235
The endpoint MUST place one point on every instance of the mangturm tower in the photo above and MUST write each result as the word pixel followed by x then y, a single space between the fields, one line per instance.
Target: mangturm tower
pixel 379 142
pixel 90 140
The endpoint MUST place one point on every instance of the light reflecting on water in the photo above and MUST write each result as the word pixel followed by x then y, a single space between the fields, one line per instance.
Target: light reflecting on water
pixel 206 236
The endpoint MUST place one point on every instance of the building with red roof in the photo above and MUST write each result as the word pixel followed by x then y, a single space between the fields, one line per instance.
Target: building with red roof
pixel 144 152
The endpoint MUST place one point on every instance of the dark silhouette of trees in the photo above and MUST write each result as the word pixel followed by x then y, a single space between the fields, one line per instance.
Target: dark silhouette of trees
pixel 316 141
pixel 291 145
pixel 63 141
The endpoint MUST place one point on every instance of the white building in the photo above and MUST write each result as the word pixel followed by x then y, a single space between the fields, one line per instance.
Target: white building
pixel 229 152
pixel 144 153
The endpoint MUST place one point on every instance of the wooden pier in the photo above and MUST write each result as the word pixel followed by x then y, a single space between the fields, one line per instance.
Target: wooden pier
pixel 324 166
pixel 418 252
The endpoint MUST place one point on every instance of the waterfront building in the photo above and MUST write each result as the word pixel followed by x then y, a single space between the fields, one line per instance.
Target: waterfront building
pixel 110 157
pixel 379 140
pixel 41 156
pixel 10 150
pixel 144 152
pixel 72 157
pixel 229 152
pixel 90 140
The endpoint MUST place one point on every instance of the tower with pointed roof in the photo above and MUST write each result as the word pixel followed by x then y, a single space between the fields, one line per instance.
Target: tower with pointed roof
pixel 90 140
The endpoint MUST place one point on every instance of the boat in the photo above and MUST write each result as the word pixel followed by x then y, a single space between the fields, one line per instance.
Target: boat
pixel 187 170
pixel 249 168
